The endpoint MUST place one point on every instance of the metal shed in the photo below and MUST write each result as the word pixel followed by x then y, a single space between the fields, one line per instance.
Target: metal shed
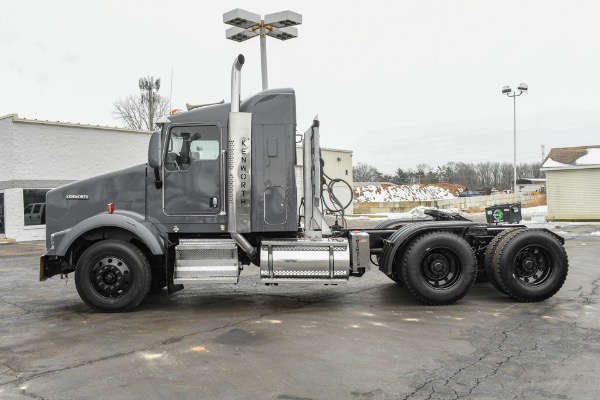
pixel 573 183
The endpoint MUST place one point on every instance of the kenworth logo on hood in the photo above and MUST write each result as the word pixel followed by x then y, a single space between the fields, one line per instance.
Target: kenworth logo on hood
pixel 77 197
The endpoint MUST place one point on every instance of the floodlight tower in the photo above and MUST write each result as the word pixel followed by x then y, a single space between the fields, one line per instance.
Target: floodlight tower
pixel 247 25
pixel 508 91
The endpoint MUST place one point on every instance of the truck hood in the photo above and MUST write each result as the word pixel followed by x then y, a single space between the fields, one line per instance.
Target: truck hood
pixel 68 205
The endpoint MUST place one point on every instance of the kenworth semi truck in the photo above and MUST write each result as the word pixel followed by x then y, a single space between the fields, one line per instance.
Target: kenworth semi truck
pixel 219 193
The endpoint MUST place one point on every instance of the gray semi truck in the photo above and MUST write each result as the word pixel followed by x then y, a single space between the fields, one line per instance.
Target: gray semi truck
pixel 219 192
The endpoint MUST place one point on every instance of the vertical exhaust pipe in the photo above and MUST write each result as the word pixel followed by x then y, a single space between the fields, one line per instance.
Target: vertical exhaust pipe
pixel 236 85
pixel 236 82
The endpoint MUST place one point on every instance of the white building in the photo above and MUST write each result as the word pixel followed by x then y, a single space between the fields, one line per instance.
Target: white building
pixel 337 165
pixel 573 183
pixel 41 155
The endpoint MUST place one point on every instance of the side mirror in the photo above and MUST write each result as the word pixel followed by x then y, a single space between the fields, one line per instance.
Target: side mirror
pixel 154 151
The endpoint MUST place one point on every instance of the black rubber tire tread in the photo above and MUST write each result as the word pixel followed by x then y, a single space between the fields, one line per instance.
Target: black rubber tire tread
pixel 507 250
pixel 489 257
pixel 411 268
pixel 395 278
pixel 134 258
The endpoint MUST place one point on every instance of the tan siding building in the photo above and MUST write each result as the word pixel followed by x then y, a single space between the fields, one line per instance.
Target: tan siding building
pixel 573 183
pixel 338 165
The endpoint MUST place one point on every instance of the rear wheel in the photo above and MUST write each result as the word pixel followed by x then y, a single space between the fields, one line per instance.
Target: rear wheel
pixel 489 257
pixel 439 268
pixel 395 278
pixel 112 276
pixel 530 265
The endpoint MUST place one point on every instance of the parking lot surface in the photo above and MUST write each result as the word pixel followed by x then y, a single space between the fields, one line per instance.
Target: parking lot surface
pixel 369 339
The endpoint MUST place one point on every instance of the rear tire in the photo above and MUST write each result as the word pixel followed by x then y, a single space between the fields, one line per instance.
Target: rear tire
pixel 490 251
pixel 395 278
pixel 439 268
pixel 112 276
pixel 530 265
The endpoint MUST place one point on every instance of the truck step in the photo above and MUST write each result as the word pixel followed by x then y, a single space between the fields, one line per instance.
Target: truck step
pixel 206 261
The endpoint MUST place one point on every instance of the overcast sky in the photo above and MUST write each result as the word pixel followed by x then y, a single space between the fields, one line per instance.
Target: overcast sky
pixel 398 82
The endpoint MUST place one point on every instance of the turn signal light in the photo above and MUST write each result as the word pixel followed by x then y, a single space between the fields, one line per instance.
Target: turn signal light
pixel 110 208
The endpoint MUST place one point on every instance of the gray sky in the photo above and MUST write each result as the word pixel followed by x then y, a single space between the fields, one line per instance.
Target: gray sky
pixel 398 82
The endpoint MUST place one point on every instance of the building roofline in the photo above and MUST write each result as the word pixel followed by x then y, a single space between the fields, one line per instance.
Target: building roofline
pixel 570 167
pixel 330 149
pixel 9 116
pixel 16 119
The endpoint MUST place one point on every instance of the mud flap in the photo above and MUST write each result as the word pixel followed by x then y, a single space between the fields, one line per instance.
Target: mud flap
pixel 171 286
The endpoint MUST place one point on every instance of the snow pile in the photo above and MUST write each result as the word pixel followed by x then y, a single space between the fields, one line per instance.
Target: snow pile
pixel 597 233
pixel 389 193
pixel 591 158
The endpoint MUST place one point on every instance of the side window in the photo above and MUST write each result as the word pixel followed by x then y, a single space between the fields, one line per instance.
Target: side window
pixel 28 209
pixel 189 144
pixel 36 209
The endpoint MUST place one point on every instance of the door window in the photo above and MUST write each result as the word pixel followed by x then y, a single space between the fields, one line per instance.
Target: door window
pixel 191 143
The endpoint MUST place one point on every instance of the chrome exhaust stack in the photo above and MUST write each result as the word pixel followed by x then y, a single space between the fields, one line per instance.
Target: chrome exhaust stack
pixel 236 82
pixel 239 153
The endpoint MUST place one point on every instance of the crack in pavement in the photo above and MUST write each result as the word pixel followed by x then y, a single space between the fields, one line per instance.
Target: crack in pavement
pixel 20 380
pixel 3 300
pixel 437 375
pixel 586 297
pixel 497 347
pixel 174 339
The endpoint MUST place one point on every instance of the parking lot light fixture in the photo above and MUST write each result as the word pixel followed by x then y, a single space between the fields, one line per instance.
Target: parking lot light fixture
pixel 522 88
pixel 246 25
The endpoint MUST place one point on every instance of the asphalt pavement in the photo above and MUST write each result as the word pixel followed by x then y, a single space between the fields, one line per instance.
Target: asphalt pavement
pixel 369 339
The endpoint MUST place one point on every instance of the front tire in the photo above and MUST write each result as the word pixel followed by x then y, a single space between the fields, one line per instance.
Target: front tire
pixel 112 276
pixel 530 265
pixel 439 268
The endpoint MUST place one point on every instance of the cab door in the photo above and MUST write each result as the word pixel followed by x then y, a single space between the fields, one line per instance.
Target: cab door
pixel 193 170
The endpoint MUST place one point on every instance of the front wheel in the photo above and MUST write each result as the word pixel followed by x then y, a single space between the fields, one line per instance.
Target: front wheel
pixel 112 276
pixel 439 268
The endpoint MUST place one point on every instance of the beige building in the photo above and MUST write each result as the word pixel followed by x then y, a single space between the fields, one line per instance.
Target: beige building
pixel 573 183
pixel 338 165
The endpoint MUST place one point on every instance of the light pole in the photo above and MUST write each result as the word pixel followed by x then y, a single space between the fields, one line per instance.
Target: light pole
pixel 508 91
pixel 247 25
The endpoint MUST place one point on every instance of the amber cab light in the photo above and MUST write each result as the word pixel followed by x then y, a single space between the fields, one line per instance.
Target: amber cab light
pixel 110 208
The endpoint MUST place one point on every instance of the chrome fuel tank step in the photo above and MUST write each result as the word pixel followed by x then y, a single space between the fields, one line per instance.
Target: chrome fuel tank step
pixel 206 261
pixel 305 261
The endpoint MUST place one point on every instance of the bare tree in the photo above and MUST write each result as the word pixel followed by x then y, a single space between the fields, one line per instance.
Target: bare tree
pixel 141 111
pixel 362 172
